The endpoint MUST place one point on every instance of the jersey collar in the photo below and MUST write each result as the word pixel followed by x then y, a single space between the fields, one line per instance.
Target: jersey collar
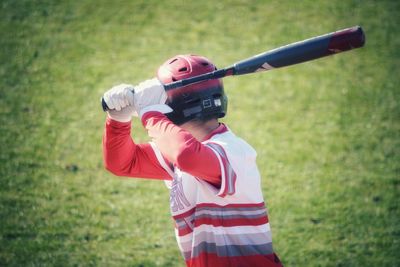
pixel 219 130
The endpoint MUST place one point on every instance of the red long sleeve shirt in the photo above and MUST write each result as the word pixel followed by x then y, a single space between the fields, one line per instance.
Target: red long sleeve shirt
pixel 123 157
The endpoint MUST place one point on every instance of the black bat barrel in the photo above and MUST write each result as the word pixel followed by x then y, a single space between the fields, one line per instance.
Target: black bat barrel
pixel 306 50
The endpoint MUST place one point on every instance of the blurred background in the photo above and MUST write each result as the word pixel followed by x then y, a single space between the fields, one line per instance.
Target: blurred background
pixel 326 131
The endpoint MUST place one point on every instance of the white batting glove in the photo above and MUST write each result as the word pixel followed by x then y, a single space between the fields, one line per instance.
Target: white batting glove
pixel 120 100
pixel 150 96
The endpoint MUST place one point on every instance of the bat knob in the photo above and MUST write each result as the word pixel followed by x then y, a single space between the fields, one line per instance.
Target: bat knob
pixel 104 105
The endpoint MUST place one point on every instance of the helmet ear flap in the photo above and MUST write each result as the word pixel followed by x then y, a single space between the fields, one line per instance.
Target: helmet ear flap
pixel 201 100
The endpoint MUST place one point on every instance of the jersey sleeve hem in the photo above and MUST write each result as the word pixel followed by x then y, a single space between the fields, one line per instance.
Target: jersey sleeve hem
pixel 228 175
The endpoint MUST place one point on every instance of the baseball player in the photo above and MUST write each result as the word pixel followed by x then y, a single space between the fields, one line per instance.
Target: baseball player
pixel 215 194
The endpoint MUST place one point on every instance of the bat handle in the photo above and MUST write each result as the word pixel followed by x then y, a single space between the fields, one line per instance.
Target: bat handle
pixel 104 104
pixel 217 74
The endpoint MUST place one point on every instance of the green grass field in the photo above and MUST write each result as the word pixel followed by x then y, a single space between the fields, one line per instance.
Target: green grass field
pixel 326 132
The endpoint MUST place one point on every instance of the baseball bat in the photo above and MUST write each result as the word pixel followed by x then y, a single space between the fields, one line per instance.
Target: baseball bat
pixel 295 53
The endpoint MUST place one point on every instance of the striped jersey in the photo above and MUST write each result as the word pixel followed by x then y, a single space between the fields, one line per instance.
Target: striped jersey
pixel 226 226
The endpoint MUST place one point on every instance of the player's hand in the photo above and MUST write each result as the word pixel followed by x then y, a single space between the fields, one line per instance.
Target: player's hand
pixel 150 95
pixel 120 100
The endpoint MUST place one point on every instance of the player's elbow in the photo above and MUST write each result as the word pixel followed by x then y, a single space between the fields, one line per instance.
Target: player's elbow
pixel 112 168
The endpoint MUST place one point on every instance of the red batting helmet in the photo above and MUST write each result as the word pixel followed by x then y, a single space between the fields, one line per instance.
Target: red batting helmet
pixel 203 100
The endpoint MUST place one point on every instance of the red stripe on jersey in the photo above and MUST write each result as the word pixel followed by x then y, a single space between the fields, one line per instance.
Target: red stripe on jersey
pixel 185 231
pixel 234 205
pixel 231 222
pixel 185 214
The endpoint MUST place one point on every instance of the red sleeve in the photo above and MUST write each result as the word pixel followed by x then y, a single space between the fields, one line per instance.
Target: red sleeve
pixel 182 149
pixel 123 157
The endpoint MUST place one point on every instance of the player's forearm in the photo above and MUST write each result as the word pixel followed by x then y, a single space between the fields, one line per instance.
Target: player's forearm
pixel 117 147
pixel 182 149
pixel 123 157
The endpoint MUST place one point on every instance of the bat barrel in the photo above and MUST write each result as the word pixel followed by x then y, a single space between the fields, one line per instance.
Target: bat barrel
pixel 310 49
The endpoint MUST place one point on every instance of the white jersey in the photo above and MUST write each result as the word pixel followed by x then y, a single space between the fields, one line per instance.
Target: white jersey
pixel 228 223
